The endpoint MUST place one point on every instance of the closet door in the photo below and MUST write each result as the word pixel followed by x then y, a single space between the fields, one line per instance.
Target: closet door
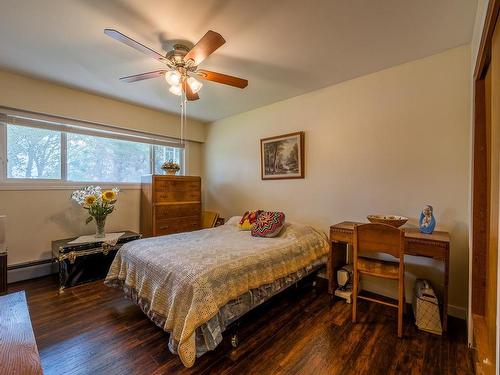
pixel 493 144
pixel 486 198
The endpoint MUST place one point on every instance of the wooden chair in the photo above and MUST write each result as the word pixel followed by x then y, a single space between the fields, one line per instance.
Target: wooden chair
pixel 379 238
pixel 208 219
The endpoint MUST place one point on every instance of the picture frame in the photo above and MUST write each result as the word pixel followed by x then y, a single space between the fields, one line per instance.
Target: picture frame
pixel 282 157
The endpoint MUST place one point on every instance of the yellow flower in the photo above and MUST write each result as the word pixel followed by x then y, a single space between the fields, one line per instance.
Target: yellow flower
pixel 90 200
pixel 109 196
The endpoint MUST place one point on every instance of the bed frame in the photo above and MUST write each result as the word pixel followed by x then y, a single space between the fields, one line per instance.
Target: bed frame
pixel 231 333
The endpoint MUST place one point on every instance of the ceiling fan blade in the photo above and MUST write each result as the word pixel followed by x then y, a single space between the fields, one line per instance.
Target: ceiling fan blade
pixel 205 47
pixel 222 78
pixel 142 76
pixel 190 95
pixel 134 44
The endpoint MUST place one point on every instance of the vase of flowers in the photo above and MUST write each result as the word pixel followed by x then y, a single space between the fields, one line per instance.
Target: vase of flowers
pixel 170 167
pixel 98 203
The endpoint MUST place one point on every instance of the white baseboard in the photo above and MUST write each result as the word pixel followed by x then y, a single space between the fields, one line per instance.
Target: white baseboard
pixel 457 311
pixel 30 271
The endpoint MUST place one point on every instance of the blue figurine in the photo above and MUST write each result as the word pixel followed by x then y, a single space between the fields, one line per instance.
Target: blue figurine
pixel 427 222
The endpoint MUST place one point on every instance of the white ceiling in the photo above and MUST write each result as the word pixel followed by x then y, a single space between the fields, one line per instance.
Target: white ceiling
pixel 283 47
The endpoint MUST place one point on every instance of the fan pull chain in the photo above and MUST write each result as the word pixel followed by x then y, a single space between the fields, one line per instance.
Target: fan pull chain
pixel 184 123
pixel 181 140
pixel 183 116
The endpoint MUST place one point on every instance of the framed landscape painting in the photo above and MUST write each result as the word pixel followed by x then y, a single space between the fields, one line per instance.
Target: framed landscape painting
pixel 282 156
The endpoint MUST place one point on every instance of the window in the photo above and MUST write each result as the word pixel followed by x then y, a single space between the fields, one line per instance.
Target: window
pixel 163 154
pixel 33 153
pixel 106 160
pixel 38 150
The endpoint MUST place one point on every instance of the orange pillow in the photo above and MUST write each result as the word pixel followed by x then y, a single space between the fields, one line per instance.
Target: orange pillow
pixel 248 220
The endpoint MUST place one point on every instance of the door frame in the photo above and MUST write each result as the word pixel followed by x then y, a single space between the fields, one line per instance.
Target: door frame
pixel 480 209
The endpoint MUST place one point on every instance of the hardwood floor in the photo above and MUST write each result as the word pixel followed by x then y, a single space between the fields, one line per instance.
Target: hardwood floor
pixel 92 329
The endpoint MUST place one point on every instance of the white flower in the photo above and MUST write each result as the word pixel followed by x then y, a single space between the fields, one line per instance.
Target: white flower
pixel 79 195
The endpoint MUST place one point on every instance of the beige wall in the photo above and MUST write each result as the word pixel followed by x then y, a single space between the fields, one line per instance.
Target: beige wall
pixel 36 95
pixel 481 10
pixel 36 217
pixel 388 142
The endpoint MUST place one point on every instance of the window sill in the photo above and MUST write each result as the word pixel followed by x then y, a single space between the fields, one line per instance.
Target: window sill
pixel 58 185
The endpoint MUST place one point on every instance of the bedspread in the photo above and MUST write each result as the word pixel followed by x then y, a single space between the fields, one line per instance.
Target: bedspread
pixel 183 280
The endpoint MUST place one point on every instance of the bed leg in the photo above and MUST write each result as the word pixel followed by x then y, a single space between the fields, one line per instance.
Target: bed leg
pixel 314 287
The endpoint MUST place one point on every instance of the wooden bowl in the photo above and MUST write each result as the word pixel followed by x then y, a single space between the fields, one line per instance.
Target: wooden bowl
pixel 393 220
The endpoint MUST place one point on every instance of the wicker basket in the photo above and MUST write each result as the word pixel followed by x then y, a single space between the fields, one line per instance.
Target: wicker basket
pixel 395 221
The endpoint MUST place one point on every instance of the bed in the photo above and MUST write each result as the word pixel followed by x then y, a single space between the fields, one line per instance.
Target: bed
pixel 193 285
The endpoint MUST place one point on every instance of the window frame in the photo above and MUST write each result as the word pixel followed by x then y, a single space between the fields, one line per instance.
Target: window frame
pixel 63 183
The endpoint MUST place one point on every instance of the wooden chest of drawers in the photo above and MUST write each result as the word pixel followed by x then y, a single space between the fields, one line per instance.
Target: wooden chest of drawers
pixel 170 204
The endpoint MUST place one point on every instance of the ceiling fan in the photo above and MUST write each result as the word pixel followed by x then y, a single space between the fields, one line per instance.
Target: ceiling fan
pixel 182 63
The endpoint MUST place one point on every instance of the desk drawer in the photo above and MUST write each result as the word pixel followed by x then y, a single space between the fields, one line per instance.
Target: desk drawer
pixel 341 236
pixel 434 250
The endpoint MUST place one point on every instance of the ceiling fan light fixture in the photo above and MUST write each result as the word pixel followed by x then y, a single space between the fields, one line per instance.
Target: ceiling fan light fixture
pixel 176 90
pixel 173 77
pixel 180 63
pixel 194 84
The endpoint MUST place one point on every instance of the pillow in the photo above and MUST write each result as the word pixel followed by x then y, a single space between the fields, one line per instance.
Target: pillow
pixel 268 224
pixel 233 220
pixel 248 220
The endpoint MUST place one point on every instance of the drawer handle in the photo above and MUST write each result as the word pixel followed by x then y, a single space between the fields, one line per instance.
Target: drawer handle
pixel 165 227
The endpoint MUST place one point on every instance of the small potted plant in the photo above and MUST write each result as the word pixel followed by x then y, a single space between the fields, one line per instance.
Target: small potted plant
pixel 170 167
pixel 98 203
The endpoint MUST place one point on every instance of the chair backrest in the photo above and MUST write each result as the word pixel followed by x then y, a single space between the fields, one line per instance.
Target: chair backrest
pixel 209 219
pixel 379 238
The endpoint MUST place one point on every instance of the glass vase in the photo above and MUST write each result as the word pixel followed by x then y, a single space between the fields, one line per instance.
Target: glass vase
pixel 99 224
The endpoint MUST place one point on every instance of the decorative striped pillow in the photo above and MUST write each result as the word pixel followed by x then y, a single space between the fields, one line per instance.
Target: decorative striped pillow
pixel 268 224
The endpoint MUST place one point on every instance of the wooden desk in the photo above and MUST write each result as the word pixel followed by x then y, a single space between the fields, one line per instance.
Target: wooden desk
pixel 18 351
pixel 435 245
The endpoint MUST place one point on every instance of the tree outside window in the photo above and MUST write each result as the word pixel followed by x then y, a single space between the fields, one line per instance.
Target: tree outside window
pixel 33 153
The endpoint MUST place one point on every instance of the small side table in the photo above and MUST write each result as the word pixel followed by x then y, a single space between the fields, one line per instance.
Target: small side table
pixel 85 262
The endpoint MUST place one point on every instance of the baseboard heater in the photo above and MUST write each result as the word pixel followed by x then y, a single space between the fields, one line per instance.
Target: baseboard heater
pixel 30 270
